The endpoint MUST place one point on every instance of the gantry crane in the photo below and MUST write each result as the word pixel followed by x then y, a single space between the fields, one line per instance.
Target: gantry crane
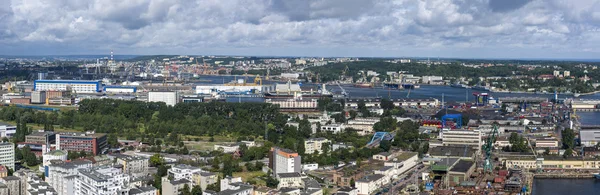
pixel 488 147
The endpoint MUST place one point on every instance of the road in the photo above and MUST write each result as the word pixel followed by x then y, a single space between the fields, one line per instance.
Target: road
pixel 397 185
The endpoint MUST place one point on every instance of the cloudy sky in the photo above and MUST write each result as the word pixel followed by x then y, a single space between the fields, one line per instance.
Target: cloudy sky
pixel 423 28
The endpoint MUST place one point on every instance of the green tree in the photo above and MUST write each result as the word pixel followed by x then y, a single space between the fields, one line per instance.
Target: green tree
pixel 387 104
pixel 113 140
pixel 385 145
pixel 568 153
pixel 156 160
pixel 568 138
pixel 352 182
pixel 197 190
pixel 186 190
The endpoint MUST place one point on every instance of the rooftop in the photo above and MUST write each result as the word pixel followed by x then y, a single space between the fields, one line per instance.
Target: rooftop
pixel 140 190
pixel 462 166
pixel 241 187
pixel 73 134
pixel 461 151
pixel 406 155
pixel 41 133
pixel 370 178
pixel 287 175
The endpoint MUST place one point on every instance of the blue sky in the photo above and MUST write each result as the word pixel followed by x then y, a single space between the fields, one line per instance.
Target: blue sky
pixel 369 28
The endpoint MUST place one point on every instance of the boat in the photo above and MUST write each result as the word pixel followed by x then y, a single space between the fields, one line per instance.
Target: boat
pixel 576 94
pixel 480 88
pixel 391 85
pixel 458 85
pixel 363 85
pixel 597 175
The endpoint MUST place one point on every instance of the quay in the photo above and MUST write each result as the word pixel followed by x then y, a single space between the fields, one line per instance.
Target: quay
pixel 587 110
pixel 564 176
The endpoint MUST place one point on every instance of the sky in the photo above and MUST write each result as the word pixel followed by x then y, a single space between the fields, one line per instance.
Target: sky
pixel 567 29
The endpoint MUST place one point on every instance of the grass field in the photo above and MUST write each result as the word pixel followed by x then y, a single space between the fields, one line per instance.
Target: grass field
pixel 35 127
pixel 251 176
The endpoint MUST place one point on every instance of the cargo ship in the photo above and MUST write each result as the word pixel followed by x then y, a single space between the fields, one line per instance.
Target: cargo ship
pixel 401 86
pixel 363 85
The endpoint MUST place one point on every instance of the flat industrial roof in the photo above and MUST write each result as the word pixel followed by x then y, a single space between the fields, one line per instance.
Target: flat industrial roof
pixel 462 166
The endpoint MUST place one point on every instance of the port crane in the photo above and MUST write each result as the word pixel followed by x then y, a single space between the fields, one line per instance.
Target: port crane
pixel 488 147
pixel 343 90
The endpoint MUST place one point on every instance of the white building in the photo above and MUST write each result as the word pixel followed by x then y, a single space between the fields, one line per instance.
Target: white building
pixel 120 89
pixel 101 181
pixel 7 130
pixel 461 138
pixel 371 183
pixel 333 128
pixel 61 176
pixel 227 148
pixel 315 144
pixel 76 86
pixel 132 164
pixel 168 97
pixel 431 79
pixel 7 154
pixel 401 163
pixel 182 171
pixel 285 161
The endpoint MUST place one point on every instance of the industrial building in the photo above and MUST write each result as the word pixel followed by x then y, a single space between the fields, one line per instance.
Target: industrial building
pixel 461 138
pixel 77 86
pixel 38 97
pixel 168 97
pixel 284 161
pixel 94 143
pixel 589 135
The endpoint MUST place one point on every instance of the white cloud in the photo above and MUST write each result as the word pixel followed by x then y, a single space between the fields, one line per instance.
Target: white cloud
pixel 452 28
